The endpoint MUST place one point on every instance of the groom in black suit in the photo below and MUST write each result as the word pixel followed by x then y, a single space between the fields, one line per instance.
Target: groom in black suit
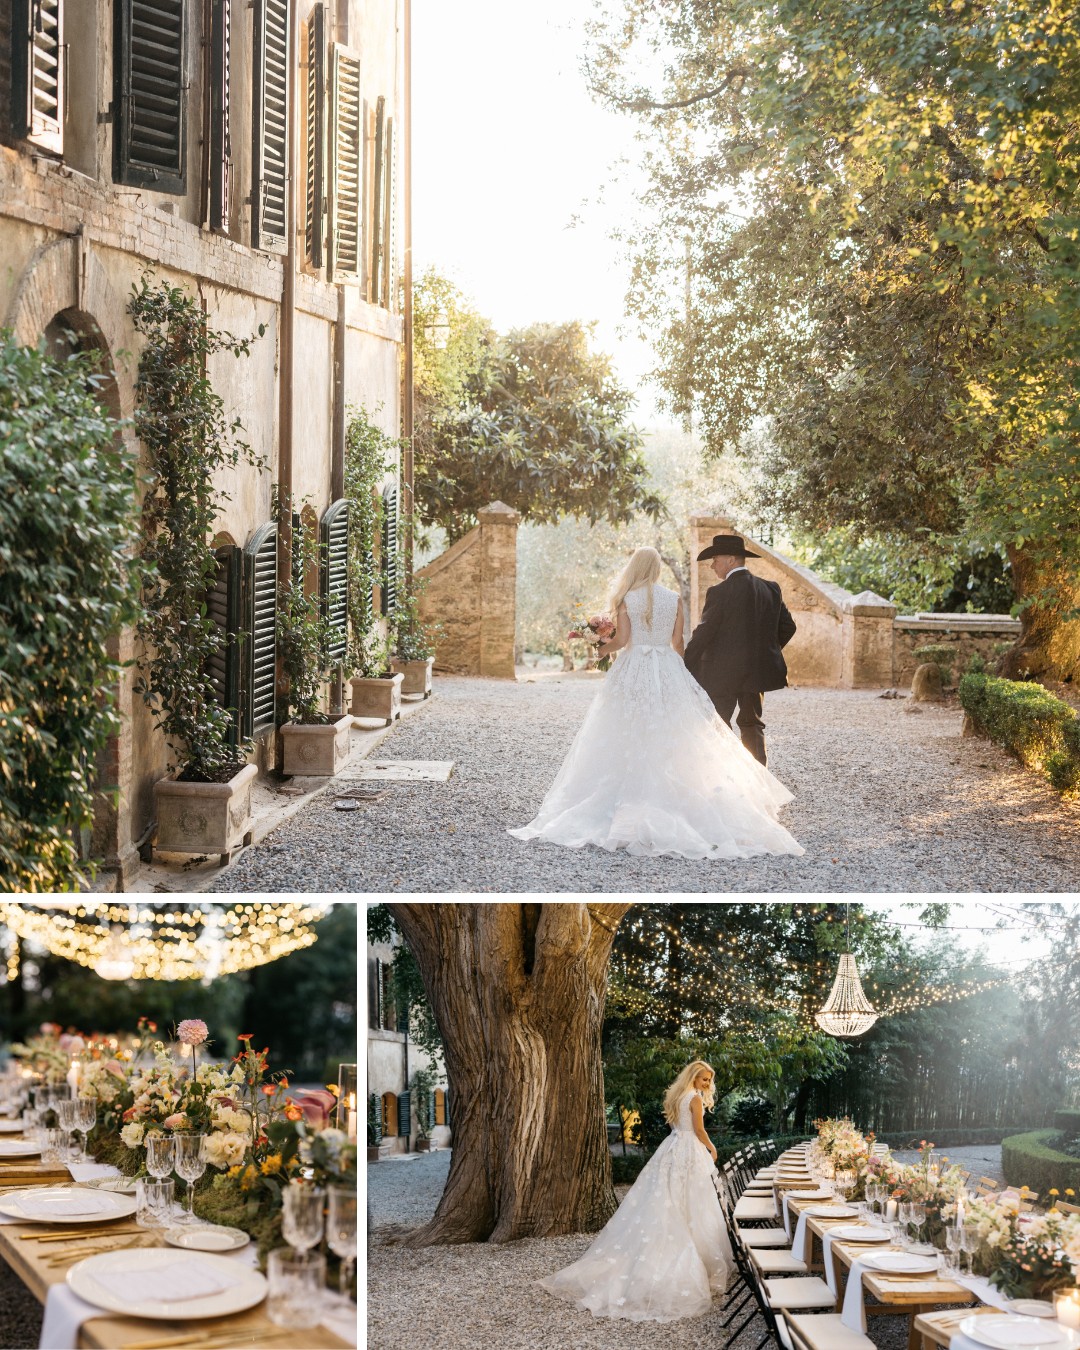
pixel 734 653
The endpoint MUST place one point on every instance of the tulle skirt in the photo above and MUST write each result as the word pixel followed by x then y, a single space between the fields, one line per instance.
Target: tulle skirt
pixel 653 770
pixel 665 1251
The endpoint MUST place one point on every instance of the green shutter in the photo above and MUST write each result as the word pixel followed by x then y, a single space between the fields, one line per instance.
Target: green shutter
pixel 373 991
pixel 334 579
pixel 377 208
pixel 345 194
pixel 223 605
pixel 38 68
pixel 315 134
pixel 389 233
pixel 446 1105
pixel 260 602
pixel 389 549
pixel 404 1115
pixel 270 126
pixel 220 137
pixel 151 94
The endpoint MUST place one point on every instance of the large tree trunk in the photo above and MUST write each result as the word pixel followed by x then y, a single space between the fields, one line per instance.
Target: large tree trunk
pixel 518 993
pixel 1049 642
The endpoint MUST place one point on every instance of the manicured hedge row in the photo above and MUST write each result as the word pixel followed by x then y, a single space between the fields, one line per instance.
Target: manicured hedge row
pixel 957 1138
pixel 1041 731
pixel 1068 1122
pixel 1028 1160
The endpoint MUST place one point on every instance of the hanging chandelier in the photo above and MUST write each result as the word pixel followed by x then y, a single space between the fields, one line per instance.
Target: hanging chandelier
pixel 847 1011
pixel 162 940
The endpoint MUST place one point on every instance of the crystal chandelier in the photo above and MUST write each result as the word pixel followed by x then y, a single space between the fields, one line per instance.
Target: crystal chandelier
pixel 847 1011
pixel 165 940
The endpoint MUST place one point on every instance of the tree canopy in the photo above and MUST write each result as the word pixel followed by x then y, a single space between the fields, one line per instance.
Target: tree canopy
pixel 877 205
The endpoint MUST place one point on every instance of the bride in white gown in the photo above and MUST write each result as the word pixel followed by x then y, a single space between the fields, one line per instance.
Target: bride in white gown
pixel 665 1251
pixel 653 769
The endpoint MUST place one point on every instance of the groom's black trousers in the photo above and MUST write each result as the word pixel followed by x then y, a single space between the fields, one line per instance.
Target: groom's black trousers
pixel 751 727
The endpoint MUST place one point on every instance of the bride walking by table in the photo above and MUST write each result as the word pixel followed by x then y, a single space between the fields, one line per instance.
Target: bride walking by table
pixel 665 1251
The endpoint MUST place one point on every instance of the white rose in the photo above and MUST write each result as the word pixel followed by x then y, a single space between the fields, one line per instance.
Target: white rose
pixel 132 1134
pixel 225 1149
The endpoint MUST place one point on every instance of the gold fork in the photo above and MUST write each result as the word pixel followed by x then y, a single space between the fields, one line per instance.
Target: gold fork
pixel 78 1253
pixel 210 1340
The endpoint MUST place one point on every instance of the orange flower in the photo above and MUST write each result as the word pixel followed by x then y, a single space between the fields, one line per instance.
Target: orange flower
pixel 292 1112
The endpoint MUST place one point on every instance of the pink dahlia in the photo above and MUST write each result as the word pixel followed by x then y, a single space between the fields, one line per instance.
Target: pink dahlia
pixel 192 1032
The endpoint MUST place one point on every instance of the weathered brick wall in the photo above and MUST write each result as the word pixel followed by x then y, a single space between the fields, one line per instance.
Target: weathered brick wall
pixel 471 592
pixel 972 634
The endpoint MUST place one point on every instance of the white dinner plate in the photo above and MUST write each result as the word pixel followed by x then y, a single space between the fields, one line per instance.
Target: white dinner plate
pixel 808 1195
pixel 207 1237
pixel 1031 1307
pixel 106 1206
pixel 1009 1332
pixel 248 1290
pixel 121 1185
pixel 11 1127
pixel 19 1148
pixel 831 1211
pixel 900 1263
pixel 854 1232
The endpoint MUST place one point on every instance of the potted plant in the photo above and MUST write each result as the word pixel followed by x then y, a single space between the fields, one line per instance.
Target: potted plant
pixel 414 644
pixel 374 1127
pixel 375 688
pixel 420 1090
pixel 204 804
pixel 314 743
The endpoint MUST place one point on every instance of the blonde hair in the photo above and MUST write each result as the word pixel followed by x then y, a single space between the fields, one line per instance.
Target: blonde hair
pixel 682 1085
pixel 643 569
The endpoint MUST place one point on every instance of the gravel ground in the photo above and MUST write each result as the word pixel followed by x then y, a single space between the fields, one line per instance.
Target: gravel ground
pixel 20 1325
pixel 981 1160
pixel 888 798
pixel 481 1295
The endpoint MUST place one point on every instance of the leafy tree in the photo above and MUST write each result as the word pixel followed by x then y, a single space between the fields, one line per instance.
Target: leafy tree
pixel 66 586
pixel 883 235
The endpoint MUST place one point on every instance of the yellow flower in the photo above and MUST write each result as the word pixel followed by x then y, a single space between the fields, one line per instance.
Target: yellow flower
pixel 249 1178
pixel 234 1171
pixel 1054 1190
pixel 1069 1190
pixel 271 1164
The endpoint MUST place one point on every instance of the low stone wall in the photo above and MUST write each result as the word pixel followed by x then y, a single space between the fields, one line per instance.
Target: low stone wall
pixel 970 634
pixel 471 592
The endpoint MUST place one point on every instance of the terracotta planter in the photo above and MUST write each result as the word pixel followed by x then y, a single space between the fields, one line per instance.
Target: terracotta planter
pixel 417 676
pixel 379 697
pixel 373 1153
pixel 423 1146
pixel 204 817
pixel 316 750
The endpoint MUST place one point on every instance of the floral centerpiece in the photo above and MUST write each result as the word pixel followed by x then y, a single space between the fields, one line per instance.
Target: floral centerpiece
pixel 43 1054
pixel 846 1149
pixel 1024 1255
pixel 935 1186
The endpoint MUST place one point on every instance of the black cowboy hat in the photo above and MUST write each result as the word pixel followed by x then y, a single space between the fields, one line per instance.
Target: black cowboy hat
pixel 726 545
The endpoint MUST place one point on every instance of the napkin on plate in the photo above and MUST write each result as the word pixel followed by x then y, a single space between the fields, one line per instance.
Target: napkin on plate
pixel 42 1207
pixel 171 1282
pixel 91 1171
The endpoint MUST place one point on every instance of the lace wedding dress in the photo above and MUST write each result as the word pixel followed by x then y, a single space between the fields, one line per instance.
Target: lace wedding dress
pixel 653 770
pixel 665 1251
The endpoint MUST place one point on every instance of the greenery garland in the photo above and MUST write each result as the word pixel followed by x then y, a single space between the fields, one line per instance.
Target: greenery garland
pixel 369 453
pixel 189 440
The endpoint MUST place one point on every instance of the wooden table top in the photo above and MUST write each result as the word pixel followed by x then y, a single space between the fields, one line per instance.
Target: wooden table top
pixel 937 1328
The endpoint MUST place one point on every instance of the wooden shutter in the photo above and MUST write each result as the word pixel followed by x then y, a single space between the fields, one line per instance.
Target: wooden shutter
pixel 151 95
pixel 388 291
pixel 260 603
pixel 377 195
pixel 220 137
pixel 315 135
pixel 334 586
pixel 345 193
pixel 38 68
pixel 404 1114
pixel 389 549
pixel 270 118
pixel 389 1115
pixel 223 605
pixel 440 1107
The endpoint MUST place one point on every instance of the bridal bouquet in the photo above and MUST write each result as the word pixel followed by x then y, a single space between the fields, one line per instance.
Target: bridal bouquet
pixel 599 629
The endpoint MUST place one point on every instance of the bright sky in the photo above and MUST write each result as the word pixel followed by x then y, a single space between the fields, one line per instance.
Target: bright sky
pixel 508 151
pixel 972 923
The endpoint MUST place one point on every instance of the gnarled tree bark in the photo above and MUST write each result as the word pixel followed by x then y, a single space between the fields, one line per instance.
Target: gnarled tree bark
pixel 518 994
pixel 1049 642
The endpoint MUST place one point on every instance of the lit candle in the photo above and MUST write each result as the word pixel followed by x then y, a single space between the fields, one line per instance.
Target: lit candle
pixel 890 1210
pixel 1068 1308
pixel 73 1077
pixel 351 1117
pixel 959 1213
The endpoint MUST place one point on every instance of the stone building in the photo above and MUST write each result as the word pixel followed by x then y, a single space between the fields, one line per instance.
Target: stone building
pixel 249 152
pixel 392 1060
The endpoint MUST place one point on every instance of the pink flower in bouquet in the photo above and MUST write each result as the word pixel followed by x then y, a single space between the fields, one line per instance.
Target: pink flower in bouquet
pixel 176 1121
pixel 192 1032
pixel 602 626
pixel 115 1068
pixel 316 1106
pixel 575 634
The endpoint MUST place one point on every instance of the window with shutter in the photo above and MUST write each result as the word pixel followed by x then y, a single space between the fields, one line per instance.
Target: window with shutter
pixel 37 72
pixel 404 1111
pixel 378 193
pixel 270 117
pixel 315 135
pixel 335 575
pixel 220 138
pixel 260 603
pixel 389 549
pixel 345 195
pixel 389 1115
pixel 374 1021
pixel 440 1107
pixel 387 294
pixel 151 95
pixel 223 605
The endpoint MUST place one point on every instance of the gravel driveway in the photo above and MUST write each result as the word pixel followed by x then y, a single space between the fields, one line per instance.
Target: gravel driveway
pixel 888 798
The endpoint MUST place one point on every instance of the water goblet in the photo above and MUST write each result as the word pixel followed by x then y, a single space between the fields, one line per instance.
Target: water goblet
pixel 903 1223
pixel 302 1215
pixel 66 1111
pixel 296 1280
pixel 160 1155
pixel 918 1218
pixel 85 1120
pixel 191 1164
pixel 953 1237
pixel 341 1232
pixel 52 1147
pixel 969 1245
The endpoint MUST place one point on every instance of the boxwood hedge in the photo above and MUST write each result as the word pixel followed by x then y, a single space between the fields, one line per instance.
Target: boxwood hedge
pixel 1030 1160
pixel 1068 1122
pixel 1042 731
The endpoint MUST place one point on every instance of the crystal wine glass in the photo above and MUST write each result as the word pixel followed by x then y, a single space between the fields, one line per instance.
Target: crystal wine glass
pixel 85 1120
pixel 918 1218
pixel 191 1164
pixel 953 1236
pixel 302 1216
pixel 341 1232
pixel 969 1244
pixel 66 1111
